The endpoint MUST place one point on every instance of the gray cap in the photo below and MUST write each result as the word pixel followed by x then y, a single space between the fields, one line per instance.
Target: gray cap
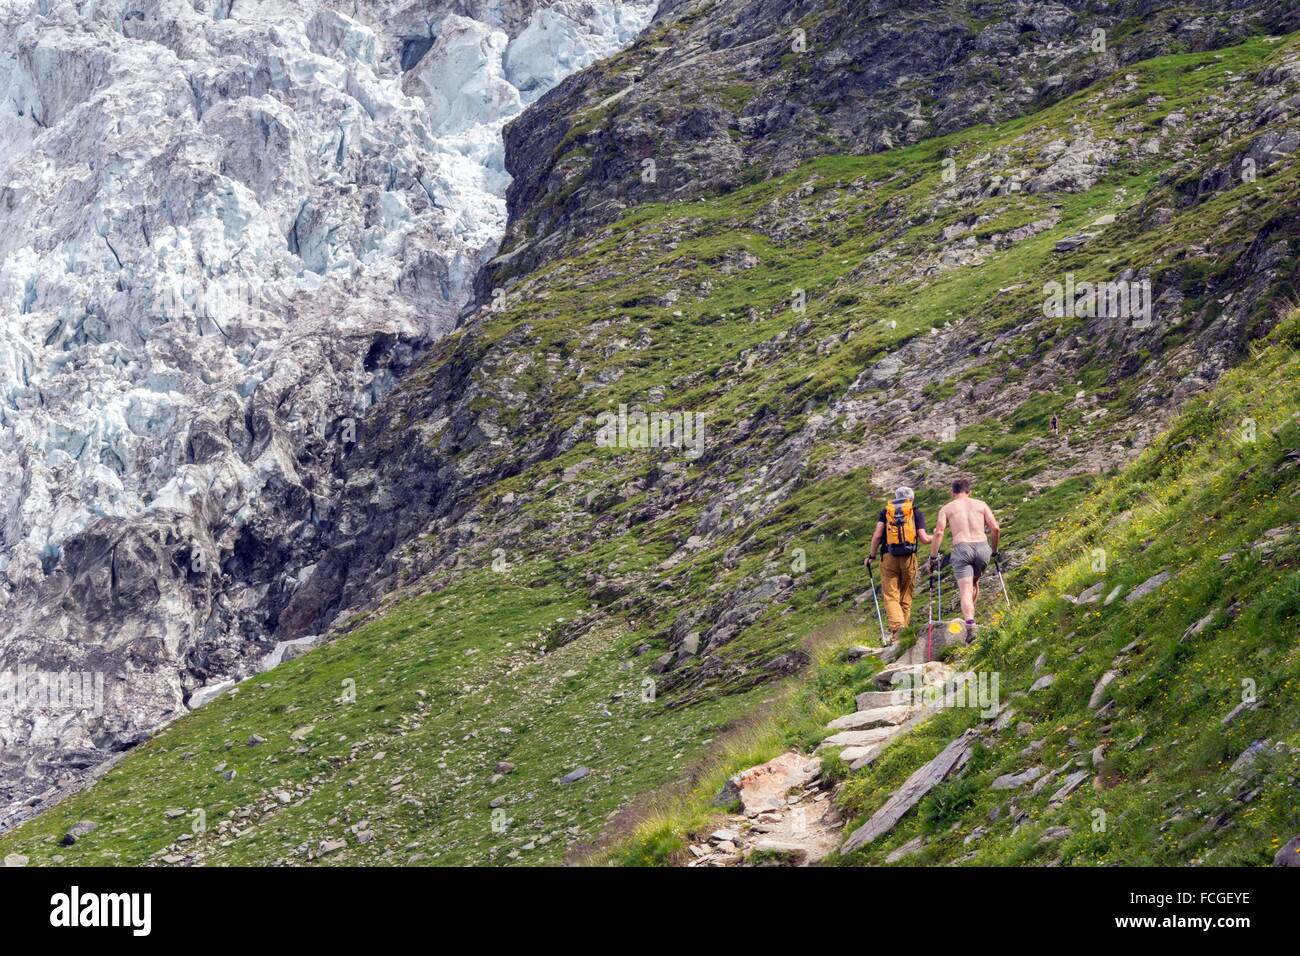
pixel 903 493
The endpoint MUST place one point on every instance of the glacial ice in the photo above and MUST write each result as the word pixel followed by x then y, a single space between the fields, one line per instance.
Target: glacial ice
pixel 212 214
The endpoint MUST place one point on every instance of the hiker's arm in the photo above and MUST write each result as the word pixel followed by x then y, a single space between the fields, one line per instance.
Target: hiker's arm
pixel 875 541
pixel 936 539
pixel 995 531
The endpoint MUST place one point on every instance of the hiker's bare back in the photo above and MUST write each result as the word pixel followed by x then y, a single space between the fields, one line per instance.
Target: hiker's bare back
pixel 966 519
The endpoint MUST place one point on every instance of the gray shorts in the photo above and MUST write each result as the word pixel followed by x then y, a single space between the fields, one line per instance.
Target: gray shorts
pixel 970 559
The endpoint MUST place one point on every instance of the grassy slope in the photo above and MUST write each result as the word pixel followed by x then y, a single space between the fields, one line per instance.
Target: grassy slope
pixel 1165 788
pixel 443 746
pixel 443 692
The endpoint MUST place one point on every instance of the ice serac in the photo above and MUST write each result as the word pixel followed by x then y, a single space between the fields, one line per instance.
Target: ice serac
pixel 228 228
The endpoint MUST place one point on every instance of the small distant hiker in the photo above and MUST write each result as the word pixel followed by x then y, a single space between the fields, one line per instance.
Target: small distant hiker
pixel 969 518
pixel 1055 426
pixel 899 526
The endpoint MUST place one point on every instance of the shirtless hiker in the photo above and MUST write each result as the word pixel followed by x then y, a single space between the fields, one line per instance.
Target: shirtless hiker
pixel 968 517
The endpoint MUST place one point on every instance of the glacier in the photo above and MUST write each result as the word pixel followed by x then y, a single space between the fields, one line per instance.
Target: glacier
pixel 229 227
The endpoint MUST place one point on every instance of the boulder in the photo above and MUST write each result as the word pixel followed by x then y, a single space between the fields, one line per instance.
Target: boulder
pixel 868 700
pixel 1054 835
pixel 852 755
pixel 949 760
pixel 1237 711
pixel 1014 781
pixel 764 787
pixel 1046 779
pixel 209 693
pixel 77 831
pixel 911 675
pixel 1289 855
pixel 1251 754
pixel 288 650
pixel 1147 586
pixel 1093 594
pixel 911 847
pixel 1099 691
pixel 1198 627
pixel 1070 243
pixel 1069 785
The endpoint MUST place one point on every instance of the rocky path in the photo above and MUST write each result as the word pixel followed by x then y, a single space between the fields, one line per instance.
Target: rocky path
pixel 788 814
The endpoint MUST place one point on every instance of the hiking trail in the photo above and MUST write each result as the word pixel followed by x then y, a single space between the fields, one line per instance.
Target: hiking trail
pixel 787 810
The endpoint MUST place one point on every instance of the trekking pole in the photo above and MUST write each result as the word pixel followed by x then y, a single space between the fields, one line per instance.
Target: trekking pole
pixel 938 572
pixel 997 566
pixel 929 628
pixel 871 576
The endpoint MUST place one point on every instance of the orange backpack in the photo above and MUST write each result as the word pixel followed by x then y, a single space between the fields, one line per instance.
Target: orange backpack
pixel 900 528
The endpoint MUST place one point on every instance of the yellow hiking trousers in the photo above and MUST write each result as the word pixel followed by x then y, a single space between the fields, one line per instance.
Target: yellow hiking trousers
pixel 897 578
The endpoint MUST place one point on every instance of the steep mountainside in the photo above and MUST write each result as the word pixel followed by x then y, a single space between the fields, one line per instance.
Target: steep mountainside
pixel 535 618
pixel 1142 711
pixel 1150 674
pixel 228 228
pixel 720 93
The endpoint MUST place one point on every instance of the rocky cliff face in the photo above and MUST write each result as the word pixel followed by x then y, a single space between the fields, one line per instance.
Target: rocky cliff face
pixel 726 92
pixel 229 228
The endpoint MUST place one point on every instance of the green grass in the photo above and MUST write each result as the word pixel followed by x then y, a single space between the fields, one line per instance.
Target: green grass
pixel 445 686
pixel 795 719
pixel 1166 748
pixel 1165 793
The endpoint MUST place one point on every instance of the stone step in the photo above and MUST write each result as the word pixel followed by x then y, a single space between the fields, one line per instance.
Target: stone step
pixel 876 717
pixel 869 700
pixel 883 698
pixel 859 738
pixel 906 675
pixel 866 757
pixel 852 755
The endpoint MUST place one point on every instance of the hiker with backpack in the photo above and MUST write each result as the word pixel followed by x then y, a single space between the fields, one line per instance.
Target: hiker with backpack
pixel 899 527
pixel 970 519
